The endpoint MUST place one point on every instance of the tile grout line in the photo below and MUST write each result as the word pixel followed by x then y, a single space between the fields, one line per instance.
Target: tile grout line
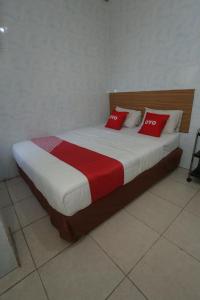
pixel 108 256
pixel 107 297
pixel 181 210
pixel 21 229
pixel 162 234
pixel 47 261
pixel 36 268
pixel 138 288
pixel 20 200
pixel 125 278
pixel 179 213
pixel 44 288
pixel 173 243
pixel 13 233
pixel 192 213
pixel 18 219
pixel 60 252
pixel 159 237
pixel 8 181
pixel 168 201
pixel 179 181
pixel 126 275
pixel 143 255
pixel 7 205
pixel 10 194
pixel 195 189
pixel 6 189
pixel 14 208
pixel 35 264
pixel 174 177
pixel 13 205
pixel 14 284
pixel 144 223
pixel 15 268
pixel 180 248
pixel 33 222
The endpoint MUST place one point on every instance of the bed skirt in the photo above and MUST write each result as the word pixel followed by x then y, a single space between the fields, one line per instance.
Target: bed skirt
pixel 73 227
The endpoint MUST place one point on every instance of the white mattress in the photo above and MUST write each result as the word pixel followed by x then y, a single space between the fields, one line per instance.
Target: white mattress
pixel 66 188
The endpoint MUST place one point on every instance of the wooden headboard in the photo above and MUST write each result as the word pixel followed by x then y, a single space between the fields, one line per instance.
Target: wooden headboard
pixel 172 99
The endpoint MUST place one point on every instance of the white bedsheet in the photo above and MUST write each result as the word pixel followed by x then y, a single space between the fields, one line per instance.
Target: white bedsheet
pixel 66 188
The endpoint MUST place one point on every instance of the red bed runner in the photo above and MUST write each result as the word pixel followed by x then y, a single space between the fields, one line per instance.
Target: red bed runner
pixel 104 173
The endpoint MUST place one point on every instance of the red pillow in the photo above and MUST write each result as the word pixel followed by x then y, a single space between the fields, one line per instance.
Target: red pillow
pixel 153 124
pixel 116 119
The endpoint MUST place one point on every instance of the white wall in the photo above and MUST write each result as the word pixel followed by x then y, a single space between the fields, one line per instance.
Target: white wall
pixel 54 62
pixel 53 69
pixel 155 44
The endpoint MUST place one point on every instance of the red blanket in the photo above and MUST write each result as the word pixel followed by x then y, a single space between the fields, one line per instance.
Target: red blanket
pixel 104 173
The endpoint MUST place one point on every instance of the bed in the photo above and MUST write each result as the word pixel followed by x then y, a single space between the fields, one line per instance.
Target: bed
pixel 64 192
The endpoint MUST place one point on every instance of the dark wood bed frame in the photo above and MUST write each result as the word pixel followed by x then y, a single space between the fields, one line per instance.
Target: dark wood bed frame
pixel 73 227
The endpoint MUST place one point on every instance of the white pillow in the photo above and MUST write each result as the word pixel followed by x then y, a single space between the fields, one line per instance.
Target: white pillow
pixel 133 118
pixel 174 121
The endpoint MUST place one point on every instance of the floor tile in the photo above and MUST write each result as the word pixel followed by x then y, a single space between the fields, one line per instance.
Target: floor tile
pixel 82 271
pixel 2 185
pixel 175 192
pixel 125 239
pixel 29 210
pixel 19 190
pixel 153 211
pixel 4 198
pixel 126 291
pixel 14 180
pixel 10 218
pixel 185 232
pixel 27 265
pixel 166 273
pixel 194 205
pixel 181 174
pixel 44 240
pixel 28 289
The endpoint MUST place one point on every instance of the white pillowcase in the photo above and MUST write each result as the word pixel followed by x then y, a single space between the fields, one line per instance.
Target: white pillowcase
pixel 133 118
pixel 174 121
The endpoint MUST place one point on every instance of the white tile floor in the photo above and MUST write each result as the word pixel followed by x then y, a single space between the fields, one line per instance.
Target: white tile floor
pixel 149 250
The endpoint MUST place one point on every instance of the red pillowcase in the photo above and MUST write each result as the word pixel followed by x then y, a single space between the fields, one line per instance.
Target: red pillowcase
pixel 116 119
pixel 153 124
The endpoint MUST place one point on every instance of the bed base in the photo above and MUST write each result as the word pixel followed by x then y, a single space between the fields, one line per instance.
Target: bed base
pixel 73 227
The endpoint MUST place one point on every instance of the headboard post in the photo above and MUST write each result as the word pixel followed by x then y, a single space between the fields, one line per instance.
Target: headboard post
pixel 166 99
